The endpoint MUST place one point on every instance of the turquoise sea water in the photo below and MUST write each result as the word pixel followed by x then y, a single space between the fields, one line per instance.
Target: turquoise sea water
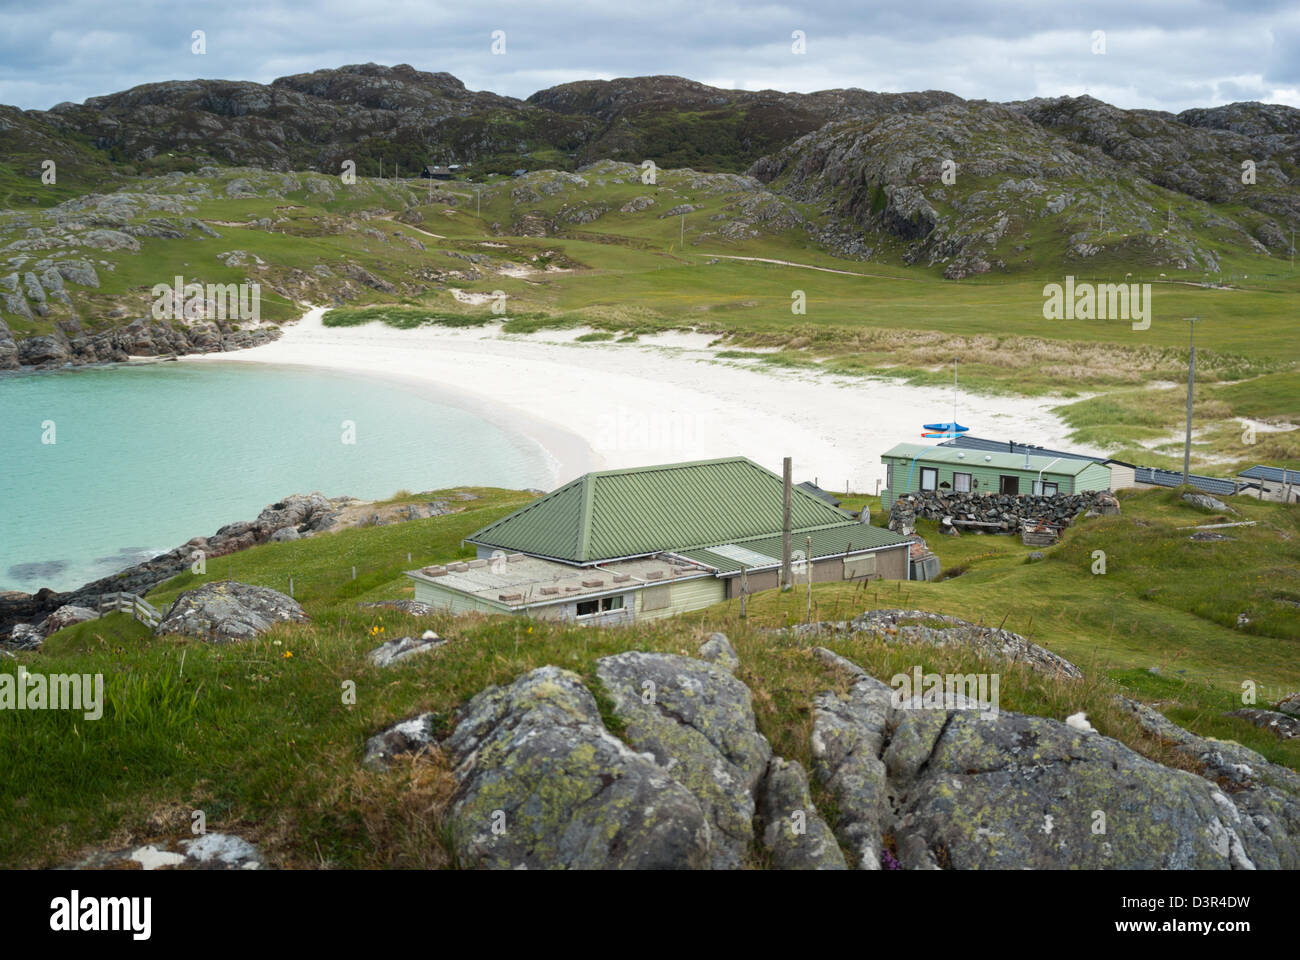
pixel 145 457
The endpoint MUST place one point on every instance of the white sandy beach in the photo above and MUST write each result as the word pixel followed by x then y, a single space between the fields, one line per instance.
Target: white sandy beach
pixel 659 400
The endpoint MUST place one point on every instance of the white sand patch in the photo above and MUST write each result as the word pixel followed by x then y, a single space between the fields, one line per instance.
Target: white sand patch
pixel 608 405
pixel 516 270
pixel 468 296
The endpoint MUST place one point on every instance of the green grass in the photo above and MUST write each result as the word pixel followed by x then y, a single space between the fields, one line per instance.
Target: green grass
pixel 258 735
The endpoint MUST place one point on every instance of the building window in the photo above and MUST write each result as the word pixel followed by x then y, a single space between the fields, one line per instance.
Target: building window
pixel 1045 489
pixel 929 478
pixel 961 482
pixel 1008 484
pixel 587 608
pixel 889 475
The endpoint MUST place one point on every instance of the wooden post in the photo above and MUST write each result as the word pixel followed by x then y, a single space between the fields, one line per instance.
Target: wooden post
pixel 291 588
pixel 787 580
pixel 744 592
pixel 354 573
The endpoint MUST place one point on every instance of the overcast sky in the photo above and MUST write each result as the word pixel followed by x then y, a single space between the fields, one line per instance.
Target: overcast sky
pixel 1160 54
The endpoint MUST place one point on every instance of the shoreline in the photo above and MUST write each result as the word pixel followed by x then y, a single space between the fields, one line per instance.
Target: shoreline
pixel 662 399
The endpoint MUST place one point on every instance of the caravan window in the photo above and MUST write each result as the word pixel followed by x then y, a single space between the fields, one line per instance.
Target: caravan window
pixel 929 478
pixel 961 482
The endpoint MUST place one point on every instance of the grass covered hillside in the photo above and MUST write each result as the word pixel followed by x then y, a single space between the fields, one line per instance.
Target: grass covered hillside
pixel 719 253
pixel 261 737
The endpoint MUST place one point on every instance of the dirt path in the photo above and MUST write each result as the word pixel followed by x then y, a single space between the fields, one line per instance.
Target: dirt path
pixel 389 217
pixel 809 266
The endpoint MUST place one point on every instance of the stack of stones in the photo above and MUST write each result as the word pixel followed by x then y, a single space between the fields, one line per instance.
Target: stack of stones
pixel 997 512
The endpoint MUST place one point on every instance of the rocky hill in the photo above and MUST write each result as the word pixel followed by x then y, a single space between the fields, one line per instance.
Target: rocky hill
pixel 975 186
pixel 961 188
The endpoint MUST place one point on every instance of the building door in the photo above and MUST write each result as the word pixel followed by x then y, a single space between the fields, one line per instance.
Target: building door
pixel 1008 484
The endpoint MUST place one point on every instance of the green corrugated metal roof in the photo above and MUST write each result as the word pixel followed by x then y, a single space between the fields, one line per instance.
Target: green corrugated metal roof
pixel 827 541
pixel 634 512
pixel 1061 466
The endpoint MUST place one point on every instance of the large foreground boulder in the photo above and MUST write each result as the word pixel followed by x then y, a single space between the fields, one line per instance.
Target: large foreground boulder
pixel 543 784
pixel 689 783
pixel 969 788
pixel 224 611
pixel 698 722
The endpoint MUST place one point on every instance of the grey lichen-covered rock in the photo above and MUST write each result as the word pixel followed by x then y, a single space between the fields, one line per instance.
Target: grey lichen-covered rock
pixel 698 722
pixel 1206 502
pixel 543 784
pixel 965 788
pixel 401 739
pixel 1290 704
pixel 1284 726
pixel 223 611
pixel 25 636
pixel 66 616
pixel 794 833
pixel 403 648
pixel 849 736
pixel 1030 792
pixel 1266 794
pixel 922 626
pixel 718 649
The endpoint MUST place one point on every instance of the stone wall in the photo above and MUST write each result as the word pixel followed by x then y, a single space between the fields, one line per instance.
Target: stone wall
pixel 998 512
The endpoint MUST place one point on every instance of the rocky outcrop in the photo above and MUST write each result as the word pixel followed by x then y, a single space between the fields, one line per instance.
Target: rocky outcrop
pixel 1282 725
pixel 306 514
pixel 940 630
pixel 795 837
pixel 696 720
pixel 65 616
pixel 965 788
pixel 542 784
pixel 689 782
pixel 1265 795
pixel 224 611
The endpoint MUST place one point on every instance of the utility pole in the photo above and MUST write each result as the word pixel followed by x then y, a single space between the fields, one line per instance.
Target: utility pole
pixel 787 580
pixel 808 560
pixel 1191 380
